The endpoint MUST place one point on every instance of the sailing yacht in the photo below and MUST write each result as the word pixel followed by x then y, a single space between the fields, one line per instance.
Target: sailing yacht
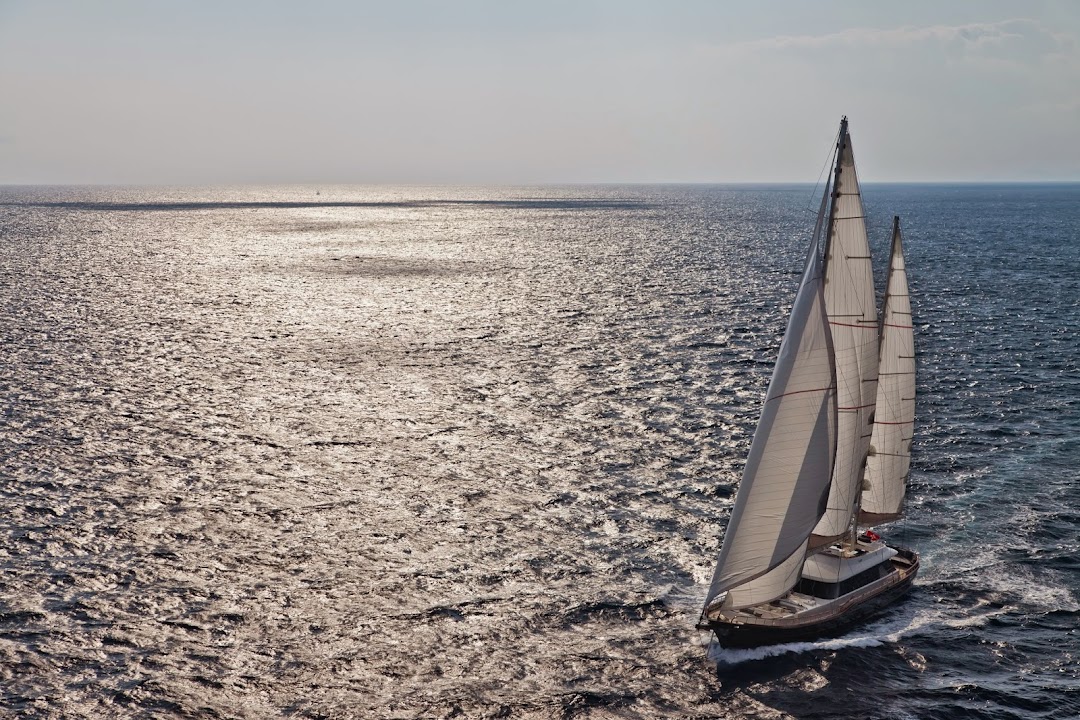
pixel 832 448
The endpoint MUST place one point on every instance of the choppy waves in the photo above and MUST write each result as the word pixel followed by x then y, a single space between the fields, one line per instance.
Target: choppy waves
pixel 408 452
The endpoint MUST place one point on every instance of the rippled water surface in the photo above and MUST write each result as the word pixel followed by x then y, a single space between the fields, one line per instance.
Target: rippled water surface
pixel 468 452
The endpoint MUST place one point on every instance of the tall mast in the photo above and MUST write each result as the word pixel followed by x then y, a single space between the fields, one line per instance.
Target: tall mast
pixel 893 241
pixel 834 192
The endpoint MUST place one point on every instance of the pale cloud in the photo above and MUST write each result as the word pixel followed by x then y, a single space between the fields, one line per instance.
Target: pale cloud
pixel 1021 51
pixel 1006 35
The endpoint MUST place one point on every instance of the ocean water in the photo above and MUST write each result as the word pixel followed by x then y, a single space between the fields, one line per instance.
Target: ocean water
pixel 377 452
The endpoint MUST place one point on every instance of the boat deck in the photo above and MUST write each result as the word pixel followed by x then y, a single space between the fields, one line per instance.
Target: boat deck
pixel 797 607
pixel 786 606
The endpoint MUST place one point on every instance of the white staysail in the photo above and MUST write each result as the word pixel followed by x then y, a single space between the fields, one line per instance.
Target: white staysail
pixel 890 446
pixel 852 311
pixel 786 477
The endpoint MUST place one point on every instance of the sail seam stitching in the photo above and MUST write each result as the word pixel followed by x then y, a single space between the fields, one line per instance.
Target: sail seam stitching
pixel 861 327
pixel 799 392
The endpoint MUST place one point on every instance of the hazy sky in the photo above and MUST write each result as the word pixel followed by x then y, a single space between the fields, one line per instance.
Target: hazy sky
pixel 547 91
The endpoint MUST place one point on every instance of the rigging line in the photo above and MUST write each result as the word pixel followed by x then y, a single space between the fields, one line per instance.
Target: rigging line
pixel 828 164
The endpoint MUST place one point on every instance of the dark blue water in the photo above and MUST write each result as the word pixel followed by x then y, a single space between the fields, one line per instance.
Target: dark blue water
pixel 468 452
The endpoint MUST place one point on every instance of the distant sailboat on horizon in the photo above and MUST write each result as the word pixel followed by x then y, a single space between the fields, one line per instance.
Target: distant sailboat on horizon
pixel 832 448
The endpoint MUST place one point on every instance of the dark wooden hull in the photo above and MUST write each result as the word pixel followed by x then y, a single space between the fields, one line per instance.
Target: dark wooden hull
pixel 848 614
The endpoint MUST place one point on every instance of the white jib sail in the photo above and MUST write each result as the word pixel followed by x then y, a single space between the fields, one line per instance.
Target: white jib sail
pixel 786 477
pixel 852 311
pixel 890 446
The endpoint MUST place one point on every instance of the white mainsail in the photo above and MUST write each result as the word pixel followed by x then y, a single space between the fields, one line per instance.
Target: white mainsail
pixel 852 311
pixel 889 458
pixel 786 478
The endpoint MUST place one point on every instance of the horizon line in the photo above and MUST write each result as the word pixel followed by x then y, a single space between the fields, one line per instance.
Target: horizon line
pixel 600 183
